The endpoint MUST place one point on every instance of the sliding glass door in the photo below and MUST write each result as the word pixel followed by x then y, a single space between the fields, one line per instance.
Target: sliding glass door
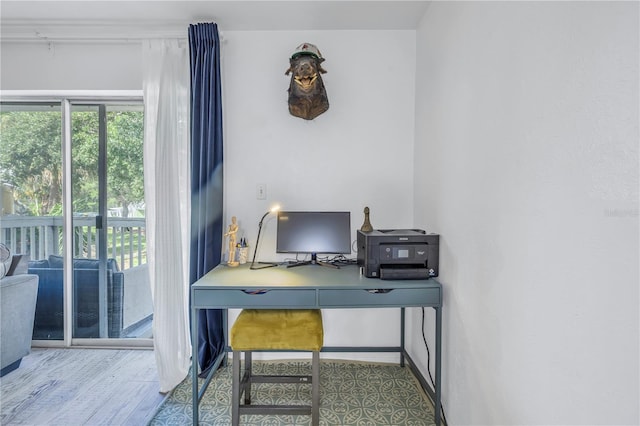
pixel 88 246
pixel 111 291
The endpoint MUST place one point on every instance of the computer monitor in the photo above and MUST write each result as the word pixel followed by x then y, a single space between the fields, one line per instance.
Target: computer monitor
pixel 313 233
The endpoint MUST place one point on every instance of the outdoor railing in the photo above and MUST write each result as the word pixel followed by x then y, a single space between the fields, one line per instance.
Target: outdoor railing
pixel 41 236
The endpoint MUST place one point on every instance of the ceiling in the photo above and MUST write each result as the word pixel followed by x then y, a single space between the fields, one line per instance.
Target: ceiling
pixel 25 20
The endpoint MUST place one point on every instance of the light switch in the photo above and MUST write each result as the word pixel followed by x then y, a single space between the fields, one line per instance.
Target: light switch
pixel 261 191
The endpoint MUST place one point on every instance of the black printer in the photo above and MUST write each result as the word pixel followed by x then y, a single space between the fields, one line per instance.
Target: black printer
pixel 398 254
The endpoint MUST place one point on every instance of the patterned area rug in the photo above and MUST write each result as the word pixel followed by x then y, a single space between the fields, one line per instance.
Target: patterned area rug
pixel 351 393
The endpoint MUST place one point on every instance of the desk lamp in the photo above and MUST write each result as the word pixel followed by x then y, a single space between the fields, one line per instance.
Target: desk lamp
pixel 255 249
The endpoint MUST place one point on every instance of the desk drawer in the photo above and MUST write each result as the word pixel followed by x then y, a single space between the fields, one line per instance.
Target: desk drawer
pixel 276 298
pixel 371 298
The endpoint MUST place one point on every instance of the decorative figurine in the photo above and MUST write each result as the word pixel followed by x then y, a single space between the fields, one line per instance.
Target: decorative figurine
pixel 366 226
pixel 307 95
pixel 233 230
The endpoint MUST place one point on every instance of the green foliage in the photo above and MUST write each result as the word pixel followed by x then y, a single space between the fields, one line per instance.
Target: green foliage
pixel 124 154
pixel 31 153
pixel 84 154
pixel 30 158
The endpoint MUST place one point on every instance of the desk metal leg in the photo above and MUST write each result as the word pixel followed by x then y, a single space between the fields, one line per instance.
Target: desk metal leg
pixel 225 332
pixel 438 365
pixel 194 365
pixel 402 351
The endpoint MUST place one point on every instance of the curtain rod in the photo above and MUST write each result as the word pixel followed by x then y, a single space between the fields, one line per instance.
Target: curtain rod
pixel 73 95
pixel 88 32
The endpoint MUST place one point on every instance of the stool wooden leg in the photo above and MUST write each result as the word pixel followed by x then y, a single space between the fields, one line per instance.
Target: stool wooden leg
pixel 235 389
pixel 315 388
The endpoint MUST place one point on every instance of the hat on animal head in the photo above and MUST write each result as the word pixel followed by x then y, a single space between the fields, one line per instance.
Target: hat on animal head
pixel 307 49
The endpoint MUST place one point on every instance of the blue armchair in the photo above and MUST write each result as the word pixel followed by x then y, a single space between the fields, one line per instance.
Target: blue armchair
pixel 48 323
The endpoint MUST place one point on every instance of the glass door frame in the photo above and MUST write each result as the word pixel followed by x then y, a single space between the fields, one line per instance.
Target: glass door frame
pixel 67 99
pixel 101 217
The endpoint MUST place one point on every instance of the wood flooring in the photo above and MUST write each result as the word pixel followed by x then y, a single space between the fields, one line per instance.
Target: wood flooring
pixel 81 387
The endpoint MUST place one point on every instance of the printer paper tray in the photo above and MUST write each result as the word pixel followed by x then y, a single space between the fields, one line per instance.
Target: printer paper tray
pixel 403 273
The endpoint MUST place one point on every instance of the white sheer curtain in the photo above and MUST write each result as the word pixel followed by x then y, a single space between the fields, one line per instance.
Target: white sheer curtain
pixel 168 196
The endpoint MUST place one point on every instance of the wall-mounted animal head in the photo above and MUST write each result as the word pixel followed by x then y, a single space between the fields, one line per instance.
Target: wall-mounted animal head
pixel 307 95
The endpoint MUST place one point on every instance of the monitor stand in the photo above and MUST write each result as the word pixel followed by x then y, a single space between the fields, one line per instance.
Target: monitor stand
pixel 314 261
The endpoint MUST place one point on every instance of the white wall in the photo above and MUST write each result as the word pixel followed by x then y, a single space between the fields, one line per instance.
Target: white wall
pixel 527 126
pixel 70 66
pixel 359 153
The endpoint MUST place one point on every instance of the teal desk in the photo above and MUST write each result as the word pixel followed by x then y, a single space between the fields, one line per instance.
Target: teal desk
pixel 314 287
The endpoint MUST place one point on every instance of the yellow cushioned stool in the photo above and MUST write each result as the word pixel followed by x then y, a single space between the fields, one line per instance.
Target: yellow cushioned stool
pixel 259 330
